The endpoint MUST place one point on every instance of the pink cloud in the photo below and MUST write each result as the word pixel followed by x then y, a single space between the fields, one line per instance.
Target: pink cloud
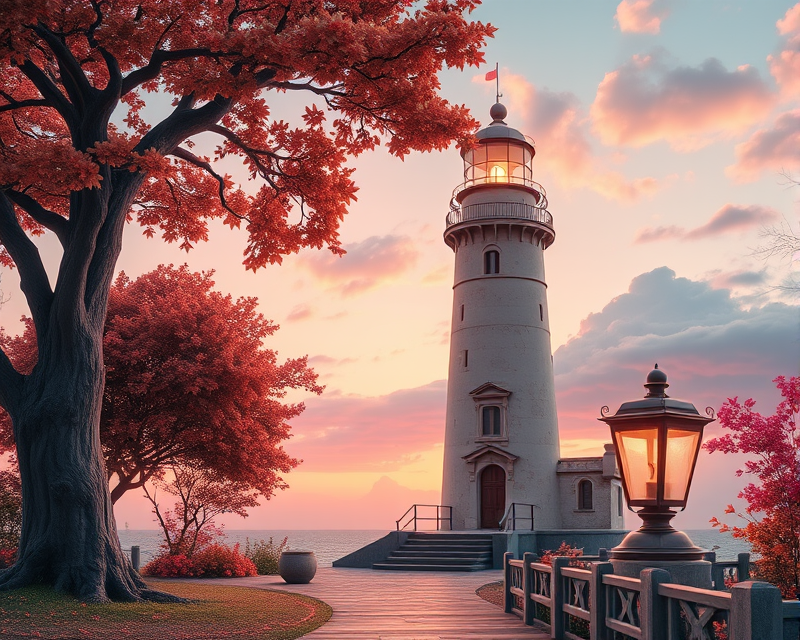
pixel 769 149
pixel 299 312
pixel 366 264
pixel 785 65
pixel 654 234
pixel 733 218
pixel 727 219
pixel 645 101
pixel 564 145
pixel 362 433
pixel 640 16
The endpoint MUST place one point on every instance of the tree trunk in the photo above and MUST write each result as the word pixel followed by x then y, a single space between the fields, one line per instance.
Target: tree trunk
pixel 69 537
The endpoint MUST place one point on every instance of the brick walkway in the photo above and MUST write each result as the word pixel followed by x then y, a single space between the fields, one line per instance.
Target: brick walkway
pixel 403 605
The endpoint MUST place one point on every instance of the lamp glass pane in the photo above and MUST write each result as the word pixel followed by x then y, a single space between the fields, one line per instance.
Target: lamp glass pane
pixel 681 452
pixel 498 152
pixel 638 452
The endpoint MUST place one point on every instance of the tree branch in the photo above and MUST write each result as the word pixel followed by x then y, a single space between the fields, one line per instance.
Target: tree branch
pixel 21 104
pixel 50 93
pixel 153 68
pixel 10 381
pixel 75 82
pixel 33 277
pixel 48 219
pixel 188 156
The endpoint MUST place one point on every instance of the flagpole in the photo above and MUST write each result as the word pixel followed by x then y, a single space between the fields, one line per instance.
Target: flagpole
pixel 497 77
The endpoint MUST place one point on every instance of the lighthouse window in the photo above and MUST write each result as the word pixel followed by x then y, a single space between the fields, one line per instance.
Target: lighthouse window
pixel 585 495
pixel 491 262
pixel 491 421
pixel 462 312
pixel 541 313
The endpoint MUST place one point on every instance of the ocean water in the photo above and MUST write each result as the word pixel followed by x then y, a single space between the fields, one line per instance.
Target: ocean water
pixel 330 545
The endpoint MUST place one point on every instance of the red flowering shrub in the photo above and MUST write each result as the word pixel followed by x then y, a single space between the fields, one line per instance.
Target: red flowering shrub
pixel 7 557
pixel 219 561
pixel 214 561
pixel 167 566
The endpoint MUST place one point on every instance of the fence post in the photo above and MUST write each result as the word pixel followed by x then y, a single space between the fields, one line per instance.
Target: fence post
pixel 557 597
pixel 756 612
pixel 653 612
pixel 136 557
pixel 529 608
pixel 743 567
pixel 508 597
pixel 597 600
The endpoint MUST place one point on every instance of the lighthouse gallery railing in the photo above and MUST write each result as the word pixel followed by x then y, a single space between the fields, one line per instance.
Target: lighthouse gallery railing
pixel 497 210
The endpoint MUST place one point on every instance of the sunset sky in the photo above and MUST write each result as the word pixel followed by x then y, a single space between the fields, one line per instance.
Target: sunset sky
pixel 662 129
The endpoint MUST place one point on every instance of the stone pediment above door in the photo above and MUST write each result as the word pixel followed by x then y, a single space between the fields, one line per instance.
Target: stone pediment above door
pixel 487 455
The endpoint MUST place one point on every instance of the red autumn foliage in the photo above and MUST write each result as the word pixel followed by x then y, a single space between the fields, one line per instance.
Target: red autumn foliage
pixel 188 381
pixel 80 157
pixel 202 495
pixel 771 520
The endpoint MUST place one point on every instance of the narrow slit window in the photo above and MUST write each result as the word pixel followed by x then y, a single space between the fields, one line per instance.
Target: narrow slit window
pixel 491 262
pixel 465 358
pixel 462 313
pixel 541 313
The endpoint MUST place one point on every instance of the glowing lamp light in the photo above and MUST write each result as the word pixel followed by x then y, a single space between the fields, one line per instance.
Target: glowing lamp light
pixel 498 173
pixel 657 440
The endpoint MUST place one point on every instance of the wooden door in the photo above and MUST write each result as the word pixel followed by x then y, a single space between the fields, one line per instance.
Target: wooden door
pixel 493 496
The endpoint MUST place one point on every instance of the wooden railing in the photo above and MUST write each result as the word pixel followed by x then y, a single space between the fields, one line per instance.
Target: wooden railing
pixel 575 603
pixel 412 517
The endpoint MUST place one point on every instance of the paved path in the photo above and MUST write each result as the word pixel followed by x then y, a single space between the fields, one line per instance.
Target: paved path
pixel 404 605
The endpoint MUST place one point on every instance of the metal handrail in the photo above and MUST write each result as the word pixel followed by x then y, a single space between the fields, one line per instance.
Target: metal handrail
pixel 439 517
pixel 505 180
pixel 495 210
pixel 511 516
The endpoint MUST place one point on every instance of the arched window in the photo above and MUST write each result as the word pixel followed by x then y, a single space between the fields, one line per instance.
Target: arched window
pixel 491 421
pixel 491 262
pixel 585 495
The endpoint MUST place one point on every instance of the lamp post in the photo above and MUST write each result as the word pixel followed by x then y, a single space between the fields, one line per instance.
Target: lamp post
pixel 657 440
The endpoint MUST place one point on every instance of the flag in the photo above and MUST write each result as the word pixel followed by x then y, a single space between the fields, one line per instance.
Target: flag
pixel 492 75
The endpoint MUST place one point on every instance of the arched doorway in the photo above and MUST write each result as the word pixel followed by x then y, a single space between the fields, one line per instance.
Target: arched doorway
pixel 493 496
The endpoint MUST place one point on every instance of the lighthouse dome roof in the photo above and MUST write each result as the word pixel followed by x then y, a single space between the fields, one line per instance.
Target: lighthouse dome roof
pixel 498 128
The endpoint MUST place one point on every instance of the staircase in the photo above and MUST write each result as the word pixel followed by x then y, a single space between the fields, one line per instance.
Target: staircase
pixel 441 552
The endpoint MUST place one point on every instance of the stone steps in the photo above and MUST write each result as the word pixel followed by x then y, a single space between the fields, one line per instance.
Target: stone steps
pixel 440 552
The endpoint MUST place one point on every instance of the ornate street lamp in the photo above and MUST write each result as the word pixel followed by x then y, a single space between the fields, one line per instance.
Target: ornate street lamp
pixel 657 440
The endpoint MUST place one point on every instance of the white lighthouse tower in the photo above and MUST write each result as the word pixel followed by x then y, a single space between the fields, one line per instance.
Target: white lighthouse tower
pixel 501 439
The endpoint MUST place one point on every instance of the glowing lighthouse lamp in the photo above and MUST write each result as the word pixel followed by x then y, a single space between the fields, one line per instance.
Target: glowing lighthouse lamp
pixel 657 440
pixel 505 160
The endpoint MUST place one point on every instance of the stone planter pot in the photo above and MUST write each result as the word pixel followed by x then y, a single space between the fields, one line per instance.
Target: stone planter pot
pixel 297 567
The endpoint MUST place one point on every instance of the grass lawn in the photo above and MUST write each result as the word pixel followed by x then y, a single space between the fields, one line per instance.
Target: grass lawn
pixel 216 612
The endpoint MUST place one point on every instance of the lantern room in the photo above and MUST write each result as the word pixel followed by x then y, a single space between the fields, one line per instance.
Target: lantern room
pixel 502 157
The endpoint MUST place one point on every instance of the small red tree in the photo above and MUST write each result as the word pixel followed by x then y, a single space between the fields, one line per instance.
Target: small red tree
pixel 188 382
pixel 67 68
pixel 202 495
pixel 771 520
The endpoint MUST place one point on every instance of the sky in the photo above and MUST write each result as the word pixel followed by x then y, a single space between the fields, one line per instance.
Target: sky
pixel 664 131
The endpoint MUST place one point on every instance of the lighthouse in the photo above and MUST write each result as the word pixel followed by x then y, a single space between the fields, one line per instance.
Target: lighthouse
pixel 501 436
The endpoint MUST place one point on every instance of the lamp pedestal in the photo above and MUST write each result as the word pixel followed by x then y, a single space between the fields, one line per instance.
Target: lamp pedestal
pixel 657 545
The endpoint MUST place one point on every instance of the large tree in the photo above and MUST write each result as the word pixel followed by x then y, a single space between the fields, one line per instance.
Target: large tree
pixel 188 382
pixel 72 164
